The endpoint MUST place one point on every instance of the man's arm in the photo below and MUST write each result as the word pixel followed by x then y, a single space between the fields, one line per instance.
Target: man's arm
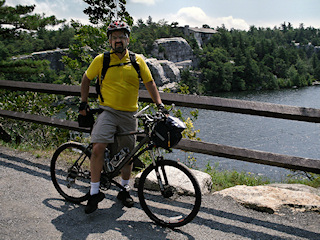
pixel 85 85
pixel 153 91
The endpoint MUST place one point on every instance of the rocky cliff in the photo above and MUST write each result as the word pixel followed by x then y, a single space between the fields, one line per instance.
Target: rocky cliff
pixel 165 73
pixel 173 49
pixel 53 56
pixel 170 55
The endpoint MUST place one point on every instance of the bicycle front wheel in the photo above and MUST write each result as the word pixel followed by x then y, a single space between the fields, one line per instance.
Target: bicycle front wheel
pixel 70 171
pixel 169 194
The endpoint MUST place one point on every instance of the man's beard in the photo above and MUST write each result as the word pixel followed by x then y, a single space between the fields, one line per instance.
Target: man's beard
pixel 119 48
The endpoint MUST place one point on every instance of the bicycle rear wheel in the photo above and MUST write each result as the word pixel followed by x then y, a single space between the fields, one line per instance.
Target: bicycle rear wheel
pixel 180 200
pixel 70 171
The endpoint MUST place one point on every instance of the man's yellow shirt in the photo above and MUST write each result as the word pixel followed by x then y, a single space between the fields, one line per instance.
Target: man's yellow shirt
pixel 120 87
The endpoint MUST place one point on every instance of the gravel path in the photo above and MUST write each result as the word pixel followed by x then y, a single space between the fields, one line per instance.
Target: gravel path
pixel 31 208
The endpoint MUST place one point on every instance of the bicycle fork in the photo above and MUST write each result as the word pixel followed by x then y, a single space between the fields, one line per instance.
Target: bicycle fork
pixel 165 189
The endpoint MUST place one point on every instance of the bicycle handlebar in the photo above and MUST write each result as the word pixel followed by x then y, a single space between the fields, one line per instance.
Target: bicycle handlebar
pixel 141 111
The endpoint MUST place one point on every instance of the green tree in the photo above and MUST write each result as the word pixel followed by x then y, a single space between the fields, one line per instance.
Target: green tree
pixel 280 69
pixel 315 62
pixel 90 40
pixel 251 72
pixel 217 70
pixel 103 11
pixel 20 18
pixel 23 25
pixel 293 76
pixel 189 78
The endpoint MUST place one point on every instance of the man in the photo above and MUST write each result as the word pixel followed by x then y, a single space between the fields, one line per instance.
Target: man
pixel 119 90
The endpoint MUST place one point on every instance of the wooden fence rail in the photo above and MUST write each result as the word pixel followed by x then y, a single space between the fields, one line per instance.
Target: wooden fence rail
pixel 202 102
pixel 212 103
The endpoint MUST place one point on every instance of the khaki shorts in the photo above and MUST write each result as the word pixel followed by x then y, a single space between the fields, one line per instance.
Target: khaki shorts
pixel 112 121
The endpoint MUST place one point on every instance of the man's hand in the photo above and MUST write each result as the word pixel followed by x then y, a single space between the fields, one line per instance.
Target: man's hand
pixel 162 109
pixel 85 117
pixel 83 108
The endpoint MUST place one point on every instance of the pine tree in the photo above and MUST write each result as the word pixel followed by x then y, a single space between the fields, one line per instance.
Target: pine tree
pixel 14 20
pixel 103 11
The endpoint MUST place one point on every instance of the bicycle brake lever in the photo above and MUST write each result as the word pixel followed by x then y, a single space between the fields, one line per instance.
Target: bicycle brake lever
pixel 172 107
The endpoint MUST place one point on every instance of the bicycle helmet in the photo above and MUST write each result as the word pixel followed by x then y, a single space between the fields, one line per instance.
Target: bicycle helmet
pixel 118 25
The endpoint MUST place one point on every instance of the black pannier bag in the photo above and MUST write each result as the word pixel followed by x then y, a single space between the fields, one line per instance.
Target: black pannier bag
pixel 167 134
pixel 86 121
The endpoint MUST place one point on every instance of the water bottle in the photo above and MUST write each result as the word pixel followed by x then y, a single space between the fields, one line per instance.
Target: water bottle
pixel 118 158
pixel 109 167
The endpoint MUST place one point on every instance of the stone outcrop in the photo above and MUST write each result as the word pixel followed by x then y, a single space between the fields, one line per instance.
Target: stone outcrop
pixel 170 56
pixel 173 49
pixel 272 198
pixel 164 72
pixel 53 56
pixel 204 180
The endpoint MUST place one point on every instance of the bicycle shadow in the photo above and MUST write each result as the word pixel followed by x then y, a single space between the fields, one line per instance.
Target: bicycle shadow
pixel 114 222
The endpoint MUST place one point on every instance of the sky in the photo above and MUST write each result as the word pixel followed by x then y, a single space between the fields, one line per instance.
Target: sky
pixel 237 14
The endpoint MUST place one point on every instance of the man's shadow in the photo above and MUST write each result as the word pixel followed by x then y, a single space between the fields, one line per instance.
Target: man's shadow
pixel 112 222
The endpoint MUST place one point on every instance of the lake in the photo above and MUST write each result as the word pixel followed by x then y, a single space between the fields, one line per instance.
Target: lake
pixel 287 137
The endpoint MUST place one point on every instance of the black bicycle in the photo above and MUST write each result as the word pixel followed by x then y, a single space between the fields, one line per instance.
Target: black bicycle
pixel 168 192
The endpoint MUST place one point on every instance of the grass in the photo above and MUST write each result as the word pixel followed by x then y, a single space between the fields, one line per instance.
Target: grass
pixel 225 179
pixel 310 179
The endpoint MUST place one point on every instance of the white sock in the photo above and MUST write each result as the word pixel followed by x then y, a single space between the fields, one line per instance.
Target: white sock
pixel 94 188
pixel 125 182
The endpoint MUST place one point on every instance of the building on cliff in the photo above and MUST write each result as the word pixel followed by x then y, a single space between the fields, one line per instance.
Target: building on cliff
pixel 202 35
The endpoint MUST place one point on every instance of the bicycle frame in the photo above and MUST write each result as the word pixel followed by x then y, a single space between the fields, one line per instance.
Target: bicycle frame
pixel 135 153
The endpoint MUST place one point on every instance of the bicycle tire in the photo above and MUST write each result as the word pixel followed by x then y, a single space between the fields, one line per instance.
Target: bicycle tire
pixel 70 180
pixel 181 204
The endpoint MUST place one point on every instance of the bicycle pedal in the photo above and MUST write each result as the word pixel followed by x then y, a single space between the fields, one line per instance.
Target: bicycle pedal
pixel 105 186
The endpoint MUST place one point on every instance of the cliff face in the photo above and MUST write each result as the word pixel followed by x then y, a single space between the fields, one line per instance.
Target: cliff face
pixel 172 49
pixel 165 73
pixel 53 56
pixel 170 55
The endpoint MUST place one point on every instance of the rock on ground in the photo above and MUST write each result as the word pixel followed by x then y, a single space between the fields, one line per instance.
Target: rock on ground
pixel 272 198
pixel 203 179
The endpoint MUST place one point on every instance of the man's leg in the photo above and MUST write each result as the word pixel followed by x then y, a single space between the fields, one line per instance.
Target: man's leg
pixel 96 161
pixel 124 195
pixel 126 175
pixel 126 172
pixel 96 165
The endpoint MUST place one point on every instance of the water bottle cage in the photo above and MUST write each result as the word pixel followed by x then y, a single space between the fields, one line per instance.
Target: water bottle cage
pixel 118 158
